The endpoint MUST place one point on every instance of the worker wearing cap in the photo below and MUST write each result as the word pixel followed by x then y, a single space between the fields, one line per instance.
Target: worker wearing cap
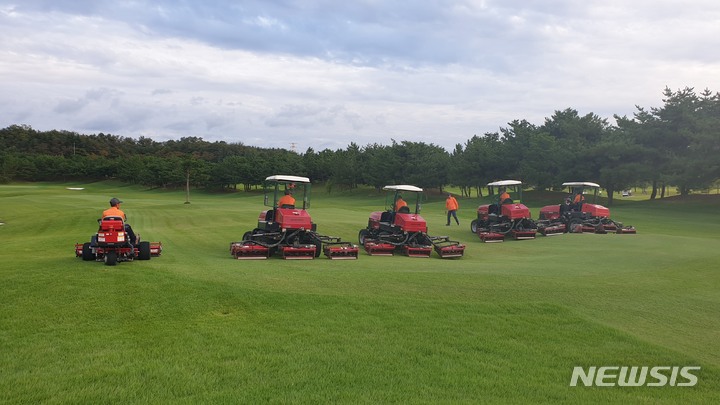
pixel 115 211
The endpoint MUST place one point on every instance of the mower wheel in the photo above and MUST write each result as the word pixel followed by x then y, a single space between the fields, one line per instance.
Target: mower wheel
pixel 474 226
pixel 362 236
pixel 87 253
pixel 144 251
pixel 111 258
pixel 247 236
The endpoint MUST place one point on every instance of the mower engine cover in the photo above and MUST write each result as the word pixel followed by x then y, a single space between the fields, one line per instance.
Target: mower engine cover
pixel 291 218
pixel 515 211
pixel 596 210
pixel 410 222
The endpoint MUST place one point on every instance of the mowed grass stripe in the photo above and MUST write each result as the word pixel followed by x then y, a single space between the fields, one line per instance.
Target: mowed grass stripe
pixel 504 324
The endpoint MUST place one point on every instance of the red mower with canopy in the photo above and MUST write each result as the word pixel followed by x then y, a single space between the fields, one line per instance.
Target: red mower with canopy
pixel 287 228
pixel 578 216
pixel 111 244
pixel 400 228
pixel 509 217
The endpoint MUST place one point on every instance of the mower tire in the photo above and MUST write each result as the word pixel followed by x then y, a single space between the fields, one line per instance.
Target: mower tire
pixel 362 236
pixel 144 251
pixel 87 253
pixel 474 226
pixel 111 258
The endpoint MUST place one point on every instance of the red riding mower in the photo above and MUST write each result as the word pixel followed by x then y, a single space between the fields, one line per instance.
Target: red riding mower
pixel 399 228
pixel 579 216
pixel 111 245
pixel 508 217
pixel 288 229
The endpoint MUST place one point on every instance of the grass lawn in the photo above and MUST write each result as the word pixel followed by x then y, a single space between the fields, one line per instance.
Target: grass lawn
pixel 505 324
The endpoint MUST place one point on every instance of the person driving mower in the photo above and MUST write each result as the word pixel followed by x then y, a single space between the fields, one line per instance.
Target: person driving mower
pixel 115 211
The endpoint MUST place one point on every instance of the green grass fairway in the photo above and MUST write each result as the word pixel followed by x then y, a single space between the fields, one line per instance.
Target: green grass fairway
pixel 505 324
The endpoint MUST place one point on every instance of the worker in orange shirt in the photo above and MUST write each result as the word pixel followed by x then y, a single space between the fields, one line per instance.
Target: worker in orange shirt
pixel 578 201
pixel 504 196
pixel 451 205
pixel 115 211
pixel 287 201
pixel 399 203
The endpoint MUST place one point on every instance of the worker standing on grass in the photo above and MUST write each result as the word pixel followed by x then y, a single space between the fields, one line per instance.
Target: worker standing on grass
pixel 451 205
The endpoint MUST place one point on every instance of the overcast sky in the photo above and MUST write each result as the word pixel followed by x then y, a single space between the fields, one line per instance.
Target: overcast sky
pixel 324 73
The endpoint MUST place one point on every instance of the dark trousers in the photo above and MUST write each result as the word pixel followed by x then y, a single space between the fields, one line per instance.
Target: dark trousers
pixel 452 213
pixel 131 235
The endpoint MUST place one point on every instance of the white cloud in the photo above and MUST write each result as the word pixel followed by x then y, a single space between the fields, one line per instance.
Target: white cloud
pixel 325 73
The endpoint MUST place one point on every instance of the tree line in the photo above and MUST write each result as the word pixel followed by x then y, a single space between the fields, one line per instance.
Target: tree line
pixel 676 145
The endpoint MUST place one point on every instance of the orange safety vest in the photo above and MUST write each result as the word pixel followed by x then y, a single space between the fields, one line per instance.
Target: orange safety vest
pixel 114 212
pixel 286 200
pixel 451 204
pixel 400 203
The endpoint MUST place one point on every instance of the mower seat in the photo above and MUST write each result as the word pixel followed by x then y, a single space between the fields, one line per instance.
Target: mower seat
pixel 404 210
pixel 109 234
pixel 112 224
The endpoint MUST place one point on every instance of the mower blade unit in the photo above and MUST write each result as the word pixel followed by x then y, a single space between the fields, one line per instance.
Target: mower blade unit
pixel 552 230
pixel 301 252
pixel 78 249
pixel 155 249
pixel 523 235
pixel 417 251
pixel 447 248
pixel 379 249
pixel 617 227
pixel 334 248
pixel 612 228
pixel 249 251
pixel 448 252
pixel 588 228
pixel 491 237
pixel 344 252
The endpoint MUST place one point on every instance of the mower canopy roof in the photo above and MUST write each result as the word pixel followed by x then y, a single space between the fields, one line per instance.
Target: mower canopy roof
pixel 403 187
pixel 505 183
pixel 282 177
pixel 580 184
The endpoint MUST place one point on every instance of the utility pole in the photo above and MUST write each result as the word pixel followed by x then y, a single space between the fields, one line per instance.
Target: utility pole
pixel 187 186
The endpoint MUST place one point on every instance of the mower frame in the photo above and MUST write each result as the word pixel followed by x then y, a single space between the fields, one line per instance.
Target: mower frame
pixel 289 230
